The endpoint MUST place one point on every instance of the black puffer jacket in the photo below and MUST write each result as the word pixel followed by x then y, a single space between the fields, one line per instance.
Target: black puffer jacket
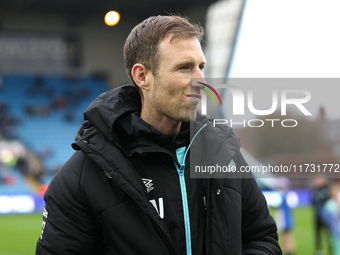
pixel 101 203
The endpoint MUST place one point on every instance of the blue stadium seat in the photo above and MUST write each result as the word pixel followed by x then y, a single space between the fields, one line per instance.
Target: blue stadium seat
pixel 51 132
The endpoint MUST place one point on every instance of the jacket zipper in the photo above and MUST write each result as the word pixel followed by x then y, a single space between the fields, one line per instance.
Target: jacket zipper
pixel 181 156
pixel 185 207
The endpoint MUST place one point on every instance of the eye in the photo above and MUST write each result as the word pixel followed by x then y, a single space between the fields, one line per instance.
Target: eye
pixel 185 67
pixel 201 67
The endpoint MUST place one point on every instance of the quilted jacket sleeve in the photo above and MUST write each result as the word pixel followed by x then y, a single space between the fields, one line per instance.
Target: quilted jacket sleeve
pixel 259 231
pixel 68 226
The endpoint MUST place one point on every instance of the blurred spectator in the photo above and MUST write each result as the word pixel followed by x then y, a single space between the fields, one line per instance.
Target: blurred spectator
pixel 81 93
pixel 39 88
pixel 60 103
pixel 331 216
pixel 31 165
pixel 320 196
pixel 75 97
pixel 69 117
pixel 46 153
pixel 1 80
pixel 1 175
pixel 5 177
pixel 285 218
pixel 40 110
pixel 7 122
pixel 35 167
pixel 22 165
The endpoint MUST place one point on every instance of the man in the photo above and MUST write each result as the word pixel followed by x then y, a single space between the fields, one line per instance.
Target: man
pixel 127 189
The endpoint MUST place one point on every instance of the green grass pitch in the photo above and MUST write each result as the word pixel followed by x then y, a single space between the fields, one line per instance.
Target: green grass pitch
pixel 19 233
pixel 304 232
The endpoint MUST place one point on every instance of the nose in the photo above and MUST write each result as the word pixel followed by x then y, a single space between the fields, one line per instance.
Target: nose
pixel 197 78
pixel 198 73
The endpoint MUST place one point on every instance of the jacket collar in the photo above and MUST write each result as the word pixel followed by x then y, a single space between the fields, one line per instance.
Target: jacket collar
pixel 107 108
pixel 115 114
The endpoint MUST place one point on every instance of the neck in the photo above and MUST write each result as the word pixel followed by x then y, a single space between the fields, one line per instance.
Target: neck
pixel 163 124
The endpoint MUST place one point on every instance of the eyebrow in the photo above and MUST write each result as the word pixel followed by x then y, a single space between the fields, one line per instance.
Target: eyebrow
pixel 189 61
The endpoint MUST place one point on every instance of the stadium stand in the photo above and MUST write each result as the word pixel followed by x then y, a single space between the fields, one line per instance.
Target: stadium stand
pixel 47 111
pixel 18 185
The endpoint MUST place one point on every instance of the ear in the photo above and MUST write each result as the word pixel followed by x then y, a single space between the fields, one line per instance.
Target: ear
pixel 140 76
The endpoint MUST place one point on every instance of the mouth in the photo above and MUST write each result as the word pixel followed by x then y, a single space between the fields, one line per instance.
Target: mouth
pixel 195 97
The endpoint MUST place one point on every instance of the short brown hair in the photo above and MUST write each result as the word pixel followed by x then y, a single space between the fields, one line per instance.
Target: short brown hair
pixel 141 46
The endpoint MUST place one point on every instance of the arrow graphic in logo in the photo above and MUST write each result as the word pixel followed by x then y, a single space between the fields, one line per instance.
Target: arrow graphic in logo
pixel 209 93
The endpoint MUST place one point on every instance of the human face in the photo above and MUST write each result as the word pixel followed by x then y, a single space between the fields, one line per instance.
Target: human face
pixel 172 96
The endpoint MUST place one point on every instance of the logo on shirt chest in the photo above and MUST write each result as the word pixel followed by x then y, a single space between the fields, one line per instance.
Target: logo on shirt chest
pixel 148 184
pixel 160 207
